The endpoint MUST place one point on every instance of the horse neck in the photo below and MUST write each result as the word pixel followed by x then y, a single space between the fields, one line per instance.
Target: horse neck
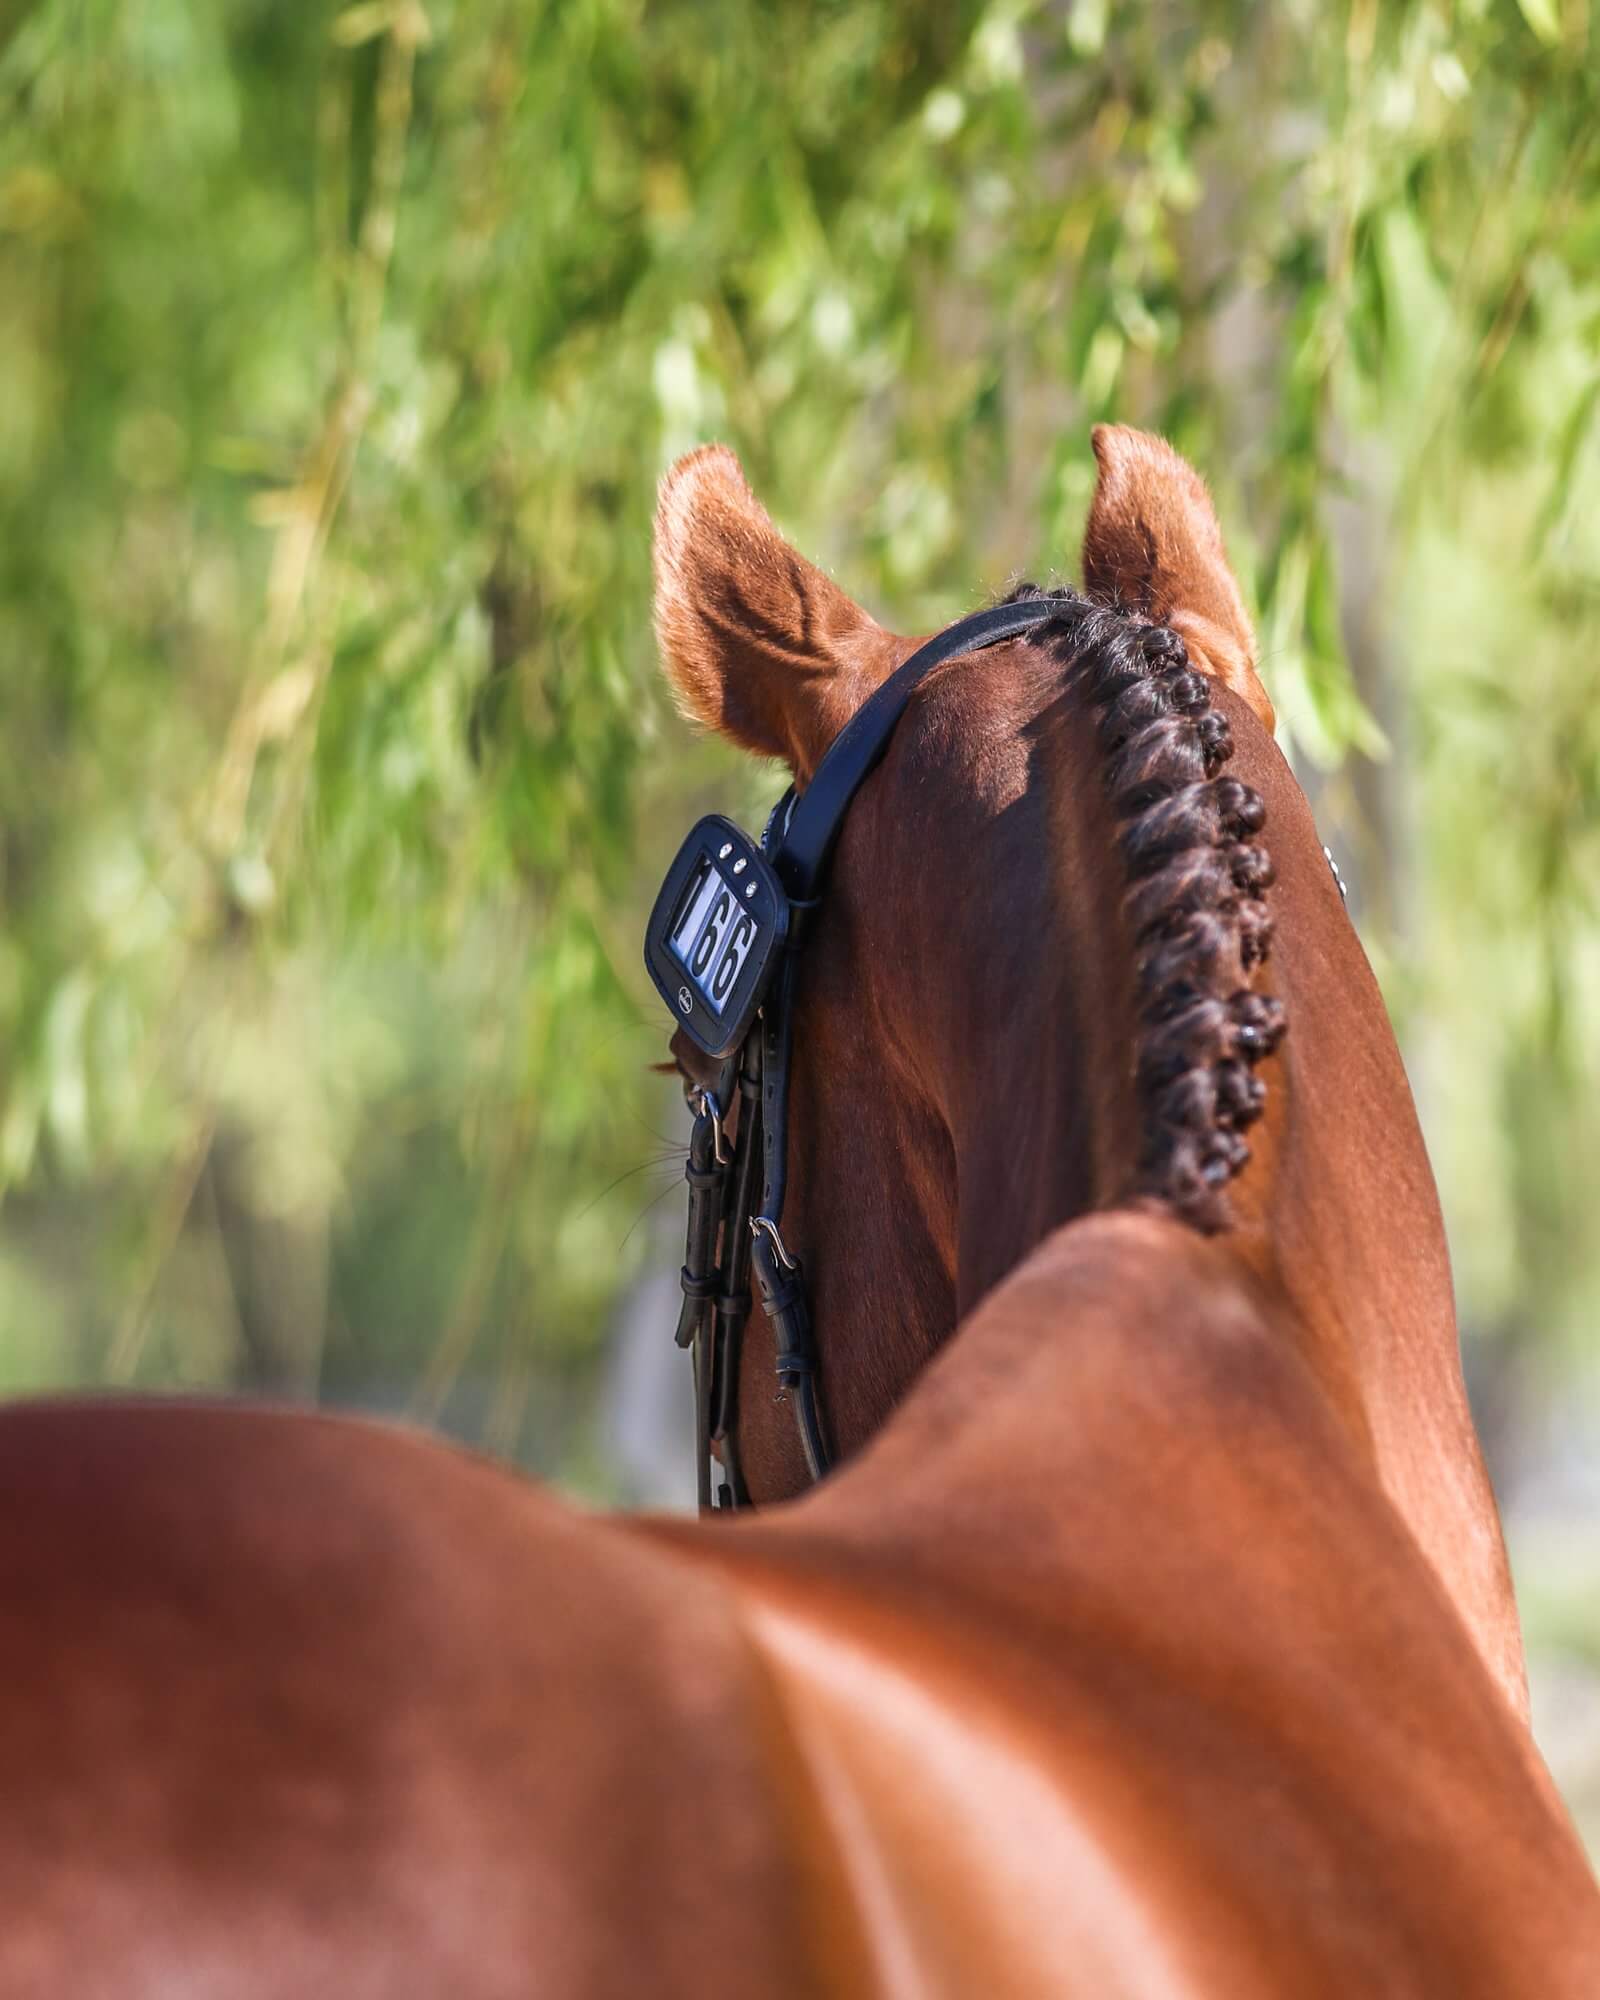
pixel 1339 1218
pixel 1336 1221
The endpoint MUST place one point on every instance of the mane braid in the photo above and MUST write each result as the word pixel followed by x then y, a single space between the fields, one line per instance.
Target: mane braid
pixel 1195 901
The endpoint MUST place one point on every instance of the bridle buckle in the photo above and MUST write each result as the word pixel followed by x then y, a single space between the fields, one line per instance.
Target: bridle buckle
pixel 763 1225
pixel 704 1104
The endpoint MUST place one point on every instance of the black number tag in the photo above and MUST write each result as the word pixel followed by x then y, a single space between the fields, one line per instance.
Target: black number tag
pixel 715 934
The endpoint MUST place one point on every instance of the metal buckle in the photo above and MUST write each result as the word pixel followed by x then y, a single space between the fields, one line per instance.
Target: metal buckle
pixel 703 1103
pixel 763 1225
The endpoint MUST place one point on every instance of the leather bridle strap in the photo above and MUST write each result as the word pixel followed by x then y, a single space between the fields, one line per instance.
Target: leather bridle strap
pixel 808 837
pixel 706 1172
pixel 732 1306
pixel 779 1276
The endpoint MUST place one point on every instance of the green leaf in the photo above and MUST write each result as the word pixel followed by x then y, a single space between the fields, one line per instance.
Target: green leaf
pixel 363 22
pixel 1544 17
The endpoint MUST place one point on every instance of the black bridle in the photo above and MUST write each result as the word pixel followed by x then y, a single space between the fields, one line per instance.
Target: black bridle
pixel 731 1232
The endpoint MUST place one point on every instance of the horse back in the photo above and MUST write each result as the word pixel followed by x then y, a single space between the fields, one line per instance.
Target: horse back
pixel 303 1706
pixel 1116 1669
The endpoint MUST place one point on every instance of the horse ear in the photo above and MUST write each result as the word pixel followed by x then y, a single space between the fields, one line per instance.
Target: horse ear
pixel 1153 545
pixel 756 642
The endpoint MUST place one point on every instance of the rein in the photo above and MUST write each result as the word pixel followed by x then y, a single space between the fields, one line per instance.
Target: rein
pixel 723 950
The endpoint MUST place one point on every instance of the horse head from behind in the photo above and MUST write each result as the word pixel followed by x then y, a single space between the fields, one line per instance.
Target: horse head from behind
pixel 1068 918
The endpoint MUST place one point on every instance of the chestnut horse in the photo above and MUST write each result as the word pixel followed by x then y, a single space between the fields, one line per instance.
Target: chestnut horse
pixel 1155 1638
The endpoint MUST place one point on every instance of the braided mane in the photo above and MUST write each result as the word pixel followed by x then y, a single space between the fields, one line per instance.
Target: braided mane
pixel 1194 901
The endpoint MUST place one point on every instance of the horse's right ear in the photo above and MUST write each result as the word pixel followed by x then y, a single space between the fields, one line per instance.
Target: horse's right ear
pixel 757 643
pixel 1153 545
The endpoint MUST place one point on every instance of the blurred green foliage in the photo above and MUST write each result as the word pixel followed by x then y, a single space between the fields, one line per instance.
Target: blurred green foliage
pixel 340 350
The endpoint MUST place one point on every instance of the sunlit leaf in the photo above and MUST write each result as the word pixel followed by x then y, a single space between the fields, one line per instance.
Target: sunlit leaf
pixel 1544 17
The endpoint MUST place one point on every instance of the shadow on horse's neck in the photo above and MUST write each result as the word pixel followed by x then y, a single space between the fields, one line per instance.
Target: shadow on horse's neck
pixel 966 1084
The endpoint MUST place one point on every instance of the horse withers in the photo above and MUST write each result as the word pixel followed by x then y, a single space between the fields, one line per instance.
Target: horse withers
pixel 1153 1635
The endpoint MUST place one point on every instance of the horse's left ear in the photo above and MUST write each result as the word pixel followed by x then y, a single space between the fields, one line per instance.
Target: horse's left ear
pixel 1153 545
pixel 757 643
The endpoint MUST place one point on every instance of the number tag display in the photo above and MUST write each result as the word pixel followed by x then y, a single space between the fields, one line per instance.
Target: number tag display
pixel 715 934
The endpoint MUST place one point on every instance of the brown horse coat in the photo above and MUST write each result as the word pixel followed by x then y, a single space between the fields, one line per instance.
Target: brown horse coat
pixel 1107 1669
pixel 1158 1642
